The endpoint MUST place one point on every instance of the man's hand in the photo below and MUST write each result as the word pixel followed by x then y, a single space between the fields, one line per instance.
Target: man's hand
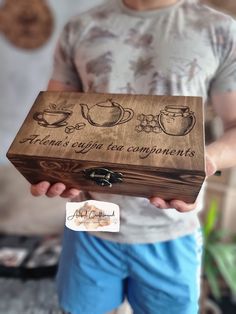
pixel 178 204
pixel 57 189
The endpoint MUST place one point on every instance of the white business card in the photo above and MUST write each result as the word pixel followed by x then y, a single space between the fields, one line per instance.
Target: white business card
pixel 93 215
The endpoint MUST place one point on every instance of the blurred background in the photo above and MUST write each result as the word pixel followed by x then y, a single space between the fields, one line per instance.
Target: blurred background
pixel 34 225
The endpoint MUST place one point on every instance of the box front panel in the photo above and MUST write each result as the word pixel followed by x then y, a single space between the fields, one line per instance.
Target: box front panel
pixel 111 178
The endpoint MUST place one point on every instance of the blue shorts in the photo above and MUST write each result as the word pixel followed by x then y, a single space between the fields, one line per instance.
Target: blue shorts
pixel 95 275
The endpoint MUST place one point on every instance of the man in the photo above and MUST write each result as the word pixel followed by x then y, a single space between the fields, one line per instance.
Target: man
pixel 149 47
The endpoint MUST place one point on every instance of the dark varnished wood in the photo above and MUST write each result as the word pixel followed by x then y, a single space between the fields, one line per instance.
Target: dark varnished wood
pixel 156 142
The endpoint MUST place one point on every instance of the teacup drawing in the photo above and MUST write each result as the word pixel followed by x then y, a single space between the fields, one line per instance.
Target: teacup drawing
pixel 52 118
pixel 176 120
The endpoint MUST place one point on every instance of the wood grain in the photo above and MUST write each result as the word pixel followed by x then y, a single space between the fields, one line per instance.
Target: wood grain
pixel 156 142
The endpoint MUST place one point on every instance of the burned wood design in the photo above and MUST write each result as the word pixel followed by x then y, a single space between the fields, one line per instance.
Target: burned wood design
pixel 148 123
pixel 173 120
pixel 72 128
pixel 106 114
pixel 176 120
pixel 160 150
pixel 55 116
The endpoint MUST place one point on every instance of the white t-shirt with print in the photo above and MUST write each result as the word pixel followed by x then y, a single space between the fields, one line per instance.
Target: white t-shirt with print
pixel 184 49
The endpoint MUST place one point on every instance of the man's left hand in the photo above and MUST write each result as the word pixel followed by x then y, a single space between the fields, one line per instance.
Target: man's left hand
pixel 178 204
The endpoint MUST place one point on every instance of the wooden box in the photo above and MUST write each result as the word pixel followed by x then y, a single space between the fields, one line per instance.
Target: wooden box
pixel 114 143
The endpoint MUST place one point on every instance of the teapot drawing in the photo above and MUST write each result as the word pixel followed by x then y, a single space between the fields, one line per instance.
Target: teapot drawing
pixel 106 114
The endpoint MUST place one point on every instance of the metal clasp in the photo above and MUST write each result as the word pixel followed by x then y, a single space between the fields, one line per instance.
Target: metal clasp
pixel 103 176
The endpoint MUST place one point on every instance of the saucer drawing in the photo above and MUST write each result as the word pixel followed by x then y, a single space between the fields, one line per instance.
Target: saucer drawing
pixel 56 125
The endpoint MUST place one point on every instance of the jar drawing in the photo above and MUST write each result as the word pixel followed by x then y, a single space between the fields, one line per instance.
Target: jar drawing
pixel 176 120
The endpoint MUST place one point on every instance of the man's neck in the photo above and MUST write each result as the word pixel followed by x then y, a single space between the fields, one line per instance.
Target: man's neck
pixel 143 5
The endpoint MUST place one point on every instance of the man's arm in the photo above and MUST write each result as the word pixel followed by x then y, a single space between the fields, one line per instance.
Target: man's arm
pixel 223 150
pixel 59 86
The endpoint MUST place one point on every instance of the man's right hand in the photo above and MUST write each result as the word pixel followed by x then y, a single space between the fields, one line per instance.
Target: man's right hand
pixel 56 189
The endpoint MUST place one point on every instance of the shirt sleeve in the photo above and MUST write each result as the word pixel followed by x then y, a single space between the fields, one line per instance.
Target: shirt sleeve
pixel 225 77
pixel 64 69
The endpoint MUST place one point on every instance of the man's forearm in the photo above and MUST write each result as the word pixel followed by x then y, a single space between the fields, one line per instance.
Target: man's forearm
pixel 223 150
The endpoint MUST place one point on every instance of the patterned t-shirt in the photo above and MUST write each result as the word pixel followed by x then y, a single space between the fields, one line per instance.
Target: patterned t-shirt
pixel 183 49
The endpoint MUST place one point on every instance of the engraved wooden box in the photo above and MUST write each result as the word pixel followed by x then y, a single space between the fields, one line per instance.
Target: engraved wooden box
pixel 140 145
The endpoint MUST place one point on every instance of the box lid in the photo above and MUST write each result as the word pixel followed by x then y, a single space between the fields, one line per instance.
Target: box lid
pixel 134 130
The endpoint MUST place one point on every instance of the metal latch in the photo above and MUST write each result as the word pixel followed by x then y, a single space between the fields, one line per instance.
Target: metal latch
pixel 103 176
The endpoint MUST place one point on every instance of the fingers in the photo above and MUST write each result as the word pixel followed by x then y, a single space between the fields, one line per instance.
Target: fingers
pixel 177 204
pixel 210 166
pixel 71 193
pixel 40 188
pixel 182 206
pixel 57 189
pixel 159 202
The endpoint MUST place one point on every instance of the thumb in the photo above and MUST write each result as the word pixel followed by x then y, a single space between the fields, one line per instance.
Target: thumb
pixel 211 167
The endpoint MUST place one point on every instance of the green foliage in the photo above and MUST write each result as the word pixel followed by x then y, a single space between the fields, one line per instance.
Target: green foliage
pixel 219 258
pixel 211 219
